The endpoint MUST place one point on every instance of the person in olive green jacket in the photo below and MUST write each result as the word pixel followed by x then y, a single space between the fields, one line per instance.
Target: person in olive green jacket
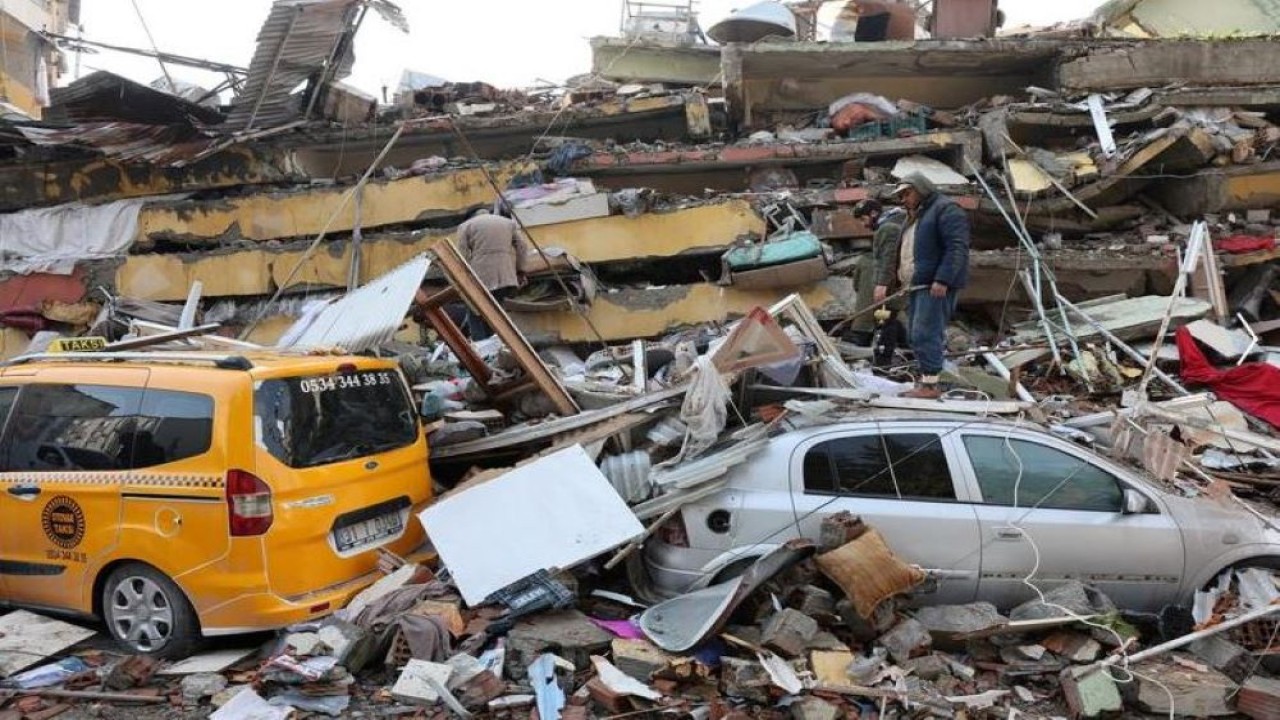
pixel 877 270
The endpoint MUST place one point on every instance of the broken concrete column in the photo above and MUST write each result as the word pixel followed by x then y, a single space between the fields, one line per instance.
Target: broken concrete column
pixel 906 640
pixel 567 633
pixel 1090 692
pixel 788 632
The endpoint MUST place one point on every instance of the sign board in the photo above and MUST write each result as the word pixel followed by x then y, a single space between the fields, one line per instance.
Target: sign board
pixel 79 344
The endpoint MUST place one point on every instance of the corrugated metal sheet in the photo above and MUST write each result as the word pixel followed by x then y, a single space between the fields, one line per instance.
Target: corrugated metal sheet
pixel 365 318
pixel 107 96
pixel 129 142
pixel 295 43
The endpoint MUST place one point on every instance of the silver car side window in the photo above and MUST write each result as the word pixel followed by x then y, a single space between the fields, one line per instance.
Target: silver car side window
pixel 1026 474
pixel 906 466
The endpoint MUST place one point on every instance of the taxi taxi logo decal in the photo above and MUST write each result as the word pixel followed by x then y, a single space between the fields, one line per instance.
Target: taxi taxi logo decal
pixel 63 522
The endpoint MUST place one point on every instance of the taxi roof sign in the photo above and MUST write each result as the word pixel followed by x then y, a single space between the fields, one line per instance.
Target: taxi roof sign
pixel 77 344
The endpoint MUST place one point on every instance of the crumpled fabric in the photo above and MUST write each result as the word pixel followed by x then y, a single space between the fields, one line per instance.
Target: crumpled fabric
pixel 562 158
pixel 1252 387
pixel 1239 244
pixel 426 635
pixel 54 239
pixel 705 411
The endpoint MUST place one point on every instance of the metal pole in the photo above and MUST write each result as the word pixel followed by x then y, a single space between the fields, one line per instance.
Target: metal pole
pixel 1035 257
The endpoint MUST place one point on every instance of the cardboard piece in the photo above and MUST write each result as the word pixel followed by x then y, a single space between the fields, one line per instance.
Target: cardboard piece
pixel 756 341
pixel 209 662
pixel 26 639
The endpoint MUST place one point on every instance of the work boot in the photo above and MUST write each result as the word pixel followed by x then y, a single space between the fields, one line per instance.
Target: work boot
pixel 926 389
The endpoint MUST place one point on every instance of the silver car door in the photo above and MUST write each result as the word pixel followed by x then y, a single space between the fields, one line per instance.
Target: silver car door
pixel 1068 522
pixel 900 479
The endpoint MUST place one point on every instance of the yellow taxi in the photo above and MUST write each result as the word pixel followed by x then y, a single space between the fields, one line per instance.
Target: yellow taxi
pixel 176 496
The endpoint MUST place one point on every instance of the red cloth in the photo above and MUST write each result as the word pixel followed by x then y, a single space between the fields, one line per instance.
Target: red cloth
pixel 1239 244
pixel 1253 387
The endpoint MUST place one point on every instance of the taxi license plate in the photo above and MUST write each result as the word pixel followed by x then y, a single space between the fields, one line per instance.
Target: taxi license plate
pixel 367 532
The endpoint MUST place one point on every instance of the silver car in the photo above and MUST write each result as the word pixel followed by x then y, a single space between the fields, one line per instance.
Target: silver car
pixel 982 504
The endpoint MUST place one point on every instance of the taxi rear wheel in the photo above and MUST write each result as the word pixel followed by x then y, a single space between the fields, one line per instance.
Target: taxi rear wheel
pixel 148 613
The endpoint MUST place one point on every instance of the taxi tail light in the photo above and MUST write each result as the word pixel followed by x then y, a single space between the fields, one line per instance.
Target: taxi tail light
pixel 249 503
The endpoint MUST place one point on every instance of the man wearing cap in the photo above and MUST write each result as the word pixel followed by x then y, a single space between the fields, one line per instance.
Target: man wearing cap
pixel 877 272
pixel 933 260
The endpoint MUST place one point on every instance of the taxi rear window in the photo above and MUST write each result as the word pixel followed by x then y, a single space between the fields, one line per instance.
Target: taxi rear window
pixel 321 419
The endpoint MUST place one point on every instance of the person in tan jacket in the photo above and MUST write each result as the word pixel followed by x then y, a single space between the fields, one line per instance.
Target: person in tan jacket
pixel 496 249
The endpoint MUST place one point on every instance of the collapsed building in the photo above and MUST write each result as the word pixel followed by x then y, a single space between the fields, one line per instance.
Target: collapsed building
pixel 693 210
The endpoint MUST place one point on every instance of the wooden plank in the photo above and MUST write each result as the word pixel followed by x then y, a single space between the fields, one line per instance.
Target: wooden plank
pixel 464 279
pixel 27 639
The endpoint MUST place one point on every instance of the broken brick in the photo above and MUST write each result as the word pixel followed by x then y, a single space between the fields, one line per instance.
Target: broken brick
pixel 479 690
pixel 1259 699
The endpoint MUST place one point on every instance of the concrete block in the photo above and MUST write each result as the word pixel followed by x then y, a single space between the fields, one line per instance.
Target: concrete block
pixel 746 679
pixel 1075 596
pixel 567 633
pixel 906 640
pixel 1259 699
pixel 813 708
pixel 1090 693
pixel 201 685
pixel 639 658
pixel 1257 216
pixel 1195 692
pixel 959 619
pixel 813 601
pixel 788 632
pixel 926 667
pixel 1224 656
pixel 414 686
pixel 863 630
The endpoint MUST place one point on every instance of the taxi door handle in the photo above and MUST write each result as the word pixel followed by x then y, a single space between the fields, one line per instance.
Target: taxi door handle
pixel 24 492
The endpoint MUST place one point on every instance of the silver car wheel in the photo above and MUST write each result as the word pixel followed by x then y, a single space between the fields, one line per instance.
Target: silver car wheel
pixel 141 613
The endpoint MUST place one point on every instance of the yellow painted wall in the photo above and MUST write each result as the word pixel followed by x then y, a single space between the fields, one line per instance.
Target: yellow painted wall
pixel 273 216
pixel 662 234
pixel 650 313
pixel 256 272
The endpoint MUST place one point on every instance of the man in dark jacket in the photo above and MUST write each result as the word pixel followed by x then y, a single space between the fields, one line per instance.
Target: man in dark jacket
pixel 877 271
pixel 933 257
